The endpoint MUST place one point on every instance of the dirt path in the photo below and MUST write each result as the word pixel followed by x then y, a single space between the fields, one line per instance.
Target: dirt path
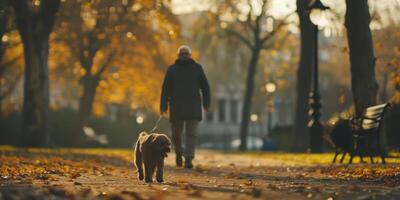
pixel 216 176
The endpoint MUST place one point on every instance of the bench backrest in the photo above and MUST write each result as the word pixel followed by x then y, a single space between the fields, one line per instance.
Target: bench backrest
pixel 373 116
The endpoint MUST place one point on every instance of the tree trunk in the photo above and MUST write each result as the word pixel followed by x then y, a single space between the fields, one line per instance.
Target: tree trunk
pixel 89 84
pixel 362 59
pixel 36 94
pixel 34 28
pixel 300 130
pixel 3 25
pixel 248 97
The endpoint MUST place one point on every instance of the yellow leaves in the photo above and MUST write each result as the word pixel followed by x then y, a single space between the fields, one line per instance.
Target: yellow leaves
pixel 388 174
pixel 273 53
pixel 345 49
pixel 136 7
pixel 82 71
pixel 45 165
pixel 233 175
pixel 397 50
pixel 172 34
pixel 131 36
pixel 99 109
pixel 201 169
pixel 378 46
pixel 157 37
pixel 396 97
pixel 249 182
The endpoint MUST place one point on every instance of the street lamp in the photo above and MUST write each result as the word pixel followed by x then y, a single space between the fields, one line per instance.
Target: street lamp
pixel 318 17
pixel 270 88
pixel 140 118
pixel 253 119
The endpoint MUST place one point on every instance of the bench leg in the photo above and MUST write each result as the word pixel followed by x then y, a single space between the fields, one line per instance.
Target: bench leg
pixel 351 158
pixel 361 159
pixel 372 159
pixel 344 155
pixel 334 158
pixel 383 158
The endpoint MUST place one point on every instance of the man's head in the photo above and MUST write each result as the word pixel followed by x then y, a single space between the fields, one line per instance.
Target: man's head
pixel 184 53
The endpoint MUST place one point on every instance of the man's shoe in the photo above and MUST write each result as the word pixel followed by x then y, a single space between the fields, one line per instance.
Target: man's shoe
pixel 188 163
pixel 178 161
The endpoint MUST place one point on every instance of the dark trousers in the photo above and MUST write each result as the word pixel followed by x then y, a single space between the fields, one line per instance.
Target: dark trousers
pixel 190 141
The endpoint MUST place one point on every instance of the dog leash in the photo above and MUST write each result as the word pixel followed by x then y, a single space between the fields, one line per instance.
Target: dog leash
pixel 156 126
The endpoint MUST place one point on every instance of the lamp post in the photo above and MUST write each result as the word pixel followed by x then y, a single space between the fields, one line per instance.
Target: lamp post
pixel 270 88
pixel 318 18
pixel 253 119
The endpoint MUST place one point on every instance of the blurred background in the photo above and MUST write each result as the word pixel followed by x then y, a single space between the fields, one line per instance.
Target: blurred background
pixel 107 59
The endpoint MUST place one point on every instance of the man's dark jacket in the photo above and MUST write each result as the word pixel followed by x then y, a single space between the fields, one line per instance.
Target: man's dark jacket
pixel 181 91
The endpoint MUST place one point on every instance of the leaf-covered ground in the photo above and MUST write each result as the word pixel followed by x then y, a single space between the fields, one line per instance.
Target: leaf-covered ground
pixel 109 174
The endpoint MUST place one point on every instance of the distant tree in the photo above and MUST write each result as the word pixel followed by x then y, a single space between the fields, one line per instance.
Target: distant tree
pixel 256 29
pixel 362 59
pixel 387 46
pixel 4 14
pixel 388 59
pixel 35 21
pixel 103 33
pixel 300 130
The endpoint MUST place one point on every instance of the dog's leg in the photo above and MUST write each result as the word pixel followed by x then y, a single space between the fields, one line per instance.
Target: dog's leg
pixel 160 170
pixel 148 175
pixel 334 158
pixel 139 161
pixel 344 155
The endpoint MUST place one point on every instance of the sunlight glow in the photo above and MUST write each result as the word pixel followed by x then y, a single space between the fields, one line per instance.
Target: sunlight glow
pixel 140 119
pixel 4 38
pixel 36 3
pixel 331 26
pixel 254 117
pixel 270 87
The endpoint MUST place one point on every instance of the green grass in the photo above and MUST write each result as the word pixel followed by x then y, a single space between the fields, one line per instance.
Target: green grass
pixel 309 158
pixel 127 154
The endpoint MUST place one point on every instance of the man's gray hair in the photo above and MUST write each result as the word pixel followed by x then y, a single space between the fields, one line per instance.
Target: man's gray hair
pixel 184 47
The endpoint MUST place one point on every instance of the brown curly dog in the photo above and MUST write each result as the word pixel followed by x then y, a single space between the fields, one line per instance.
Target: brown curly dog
pixel 150 150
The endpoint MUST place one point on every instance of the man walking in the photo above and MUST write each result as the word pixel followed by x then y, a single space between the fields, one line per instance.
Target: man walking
pixel 181 92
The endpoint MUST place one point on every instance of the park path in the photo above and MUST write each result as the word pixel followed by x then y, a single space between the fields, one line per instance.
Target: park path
pixel 217 175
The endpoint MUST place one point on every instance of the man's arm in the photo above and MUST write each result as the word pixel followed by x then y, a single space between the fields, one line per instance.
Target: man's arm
pixel 165 92
pixel 205 89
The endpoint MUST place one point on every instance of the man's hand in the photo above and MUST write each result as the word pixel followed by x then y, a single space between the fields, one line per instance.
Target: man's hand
pixel 206 110
pixel 162 112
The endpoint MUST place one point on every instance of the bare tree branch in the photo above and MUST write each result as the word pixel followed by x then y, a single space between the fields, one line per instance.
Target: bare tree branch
pixel 262 14
pixel 241 37
pixel 249 23
pixel 105 64
pixel 269 43
pixel 277 28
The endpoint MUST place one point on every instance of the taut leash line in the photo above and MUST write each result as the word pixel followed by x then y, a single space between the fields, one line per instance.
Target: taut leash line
pixel 156 126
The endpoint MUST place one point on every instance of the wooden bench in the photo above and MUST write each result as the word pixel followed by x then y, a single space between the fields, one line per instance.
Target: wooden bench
pixel 366 134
